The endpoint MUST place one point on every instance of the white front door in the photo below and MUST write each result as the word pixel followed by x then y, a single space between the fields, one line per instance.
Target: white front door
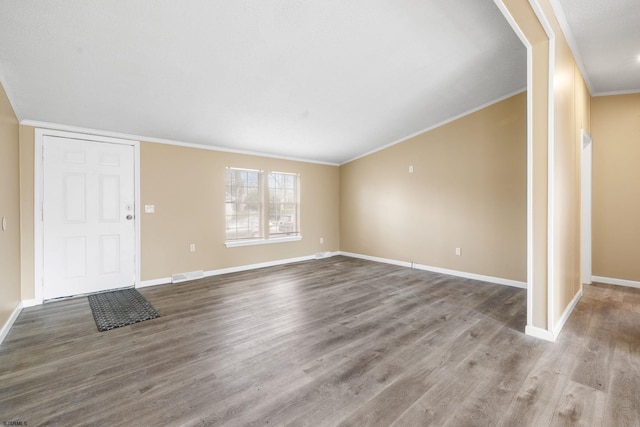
pixel 88 216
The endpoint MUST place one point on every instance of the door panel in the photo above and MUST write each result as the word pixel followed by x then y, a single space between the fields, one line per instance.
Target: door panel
pixel 75 257
pixel 75 190
pixel 89 242
pixel 109 198
pixel 109 254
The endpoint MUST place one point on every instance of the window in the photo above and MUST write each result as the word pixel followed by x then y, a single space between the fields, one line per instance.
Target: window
pixel 261 207
pixel 243 208
pixel 283 204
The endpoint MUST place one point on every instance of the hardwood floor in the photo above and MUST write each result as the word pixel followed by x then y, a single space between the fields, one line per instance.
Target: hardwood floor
pixel 338 341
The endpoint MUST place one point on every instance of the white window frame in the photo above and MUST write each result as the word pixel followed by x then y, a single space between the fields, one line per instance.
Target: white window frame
pixel 266 237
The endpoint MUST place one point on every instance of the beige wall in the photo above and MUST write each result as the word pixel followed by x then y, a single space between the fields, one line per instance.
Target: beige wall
pixel 528 23
pixel 468 190
pixel 571 114
pixel 9 209
pixel 361 224
pixel 616 186
pixel 186 185
pixel 27 274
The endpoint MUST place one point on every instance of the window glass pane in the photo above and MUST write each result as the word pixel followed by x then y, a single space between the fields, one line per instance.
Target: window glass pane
pixel 283 204
pixel 243 205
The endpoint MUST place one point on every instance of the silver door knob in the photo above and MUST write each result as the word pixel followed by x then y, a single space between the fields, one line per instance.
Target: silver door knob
pixel 129 217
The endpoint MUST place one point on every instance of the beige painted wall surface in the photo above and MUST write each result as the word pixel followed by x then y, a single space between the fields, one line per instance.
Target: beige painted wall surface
pixel 27 135
pixel 468 190
pixel 9 209
pixel 528 23
pixel 540 184
pixel 571 101
pixel 187 187
pixel 616 186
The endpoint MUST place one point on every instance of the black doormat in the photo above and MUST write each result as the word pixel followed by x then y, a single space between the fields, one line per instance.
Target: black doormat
pixel 120 308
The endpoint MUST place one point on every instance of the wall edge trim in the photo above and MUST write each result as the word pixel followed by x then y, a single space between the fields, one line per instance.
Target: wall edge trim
pixel 557 328
pixel 256 266
pixel 571 41
pixel 376 259
pixel 614 281
pixel 474 276
pixel 617 92
pixel 227 270
pixel 141 138
pixel 516 28
pixel 153 282
pixel 10 321
pixel 543 334
pixel 30 302
pixel 10 97
pixel 439 124
pixel 466 275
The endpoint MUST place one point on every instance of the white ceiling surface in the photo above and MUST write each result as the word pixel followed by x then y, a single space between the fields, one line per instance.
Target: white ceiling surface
pixel 324 80
pixel 606 35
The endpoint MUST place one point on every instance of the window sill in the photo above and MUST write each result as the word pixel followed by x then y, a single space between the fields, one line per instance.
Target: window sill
pixel 238 243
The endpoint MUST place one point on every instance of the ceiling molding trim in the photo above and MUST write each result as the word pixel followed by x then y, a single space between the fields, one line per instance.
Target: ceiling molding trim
pixel 89 131
pixel 564 26
pixel 617 92
pixel 437 125
pixel 516 28
pixel 10 97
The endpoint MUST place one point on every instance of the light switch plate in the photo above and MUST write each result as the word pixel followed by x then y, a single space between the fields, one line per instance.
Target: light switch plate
pixel 149 208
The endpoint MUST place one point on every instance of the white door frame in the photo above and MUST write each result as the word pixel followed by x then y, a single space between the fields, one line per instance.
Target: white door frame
pixel 38 187
pixel 586 180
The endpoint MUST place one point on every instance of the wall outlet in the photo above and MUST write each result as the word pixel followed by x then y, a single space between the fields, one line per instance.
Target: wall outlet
pixel 321 240
pixel 458 251
pixel 192 247
pixel 410 168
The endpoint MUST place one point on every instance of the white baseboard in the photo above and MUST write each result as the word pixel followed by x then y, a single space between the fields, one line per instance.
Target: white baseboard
pixel 540 333
pixel 491 279
pixel 153 282
pixel 377 259
pixel 265 264
pixel 30 302
pixel 167 280
pixel 9 323
pixel 480 277
pixel 618 282
pixel 565 316
pixel 553 335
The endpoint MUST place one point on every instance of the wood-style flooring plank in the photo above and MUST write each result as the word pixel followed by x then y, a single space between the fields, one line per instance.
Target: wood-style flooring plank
pixel 338 341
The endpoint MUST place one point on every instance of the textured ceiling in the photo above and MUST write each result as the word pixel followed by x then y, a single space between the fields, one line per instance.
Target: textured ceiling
pixel 318 80
pixel 606 36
